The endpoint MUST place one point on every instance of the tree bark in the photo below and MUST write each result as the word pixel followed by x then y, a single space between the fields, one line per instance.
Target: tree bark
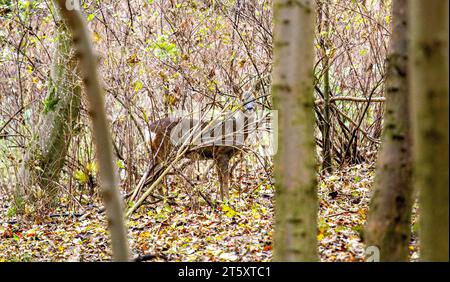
pixel 296 185
pixel 389 219
pixel 102 137
pixel 325 47
pixel 44 162
pixel 430 101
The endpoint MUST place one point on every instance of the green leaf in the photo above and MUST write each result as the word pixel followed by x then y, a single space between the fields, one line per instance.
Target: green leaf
pixel 81 176
pixel 145 117
pixel 50 104
pixel 120 164
pixel 138 86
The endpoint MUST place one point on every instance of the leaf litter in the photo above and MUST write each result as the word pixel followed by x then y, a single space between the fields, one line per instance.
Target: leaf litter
pixel 241 230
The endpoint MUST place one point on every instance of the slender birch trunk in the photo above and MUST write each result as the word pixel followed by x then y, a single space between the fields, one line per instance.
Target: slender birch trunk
pixel 296 184
pixel 389 220
pixel 429 86
pixel 102 137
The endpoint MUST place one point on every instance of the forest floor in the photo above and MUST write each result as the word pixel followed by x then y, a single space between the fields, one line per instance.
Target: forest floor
pixel 239 231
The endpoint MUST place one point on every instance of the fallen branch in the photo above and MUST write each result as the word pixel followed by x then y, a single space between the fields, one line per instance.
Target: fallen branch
pixel 147 257
pixel 352 99
pixel 142 181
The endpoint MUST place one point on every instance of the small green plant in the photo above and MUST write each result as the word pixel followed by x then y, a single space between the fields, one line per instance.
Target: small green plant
pixel 50 104
pixel 12 211
pixel 18 207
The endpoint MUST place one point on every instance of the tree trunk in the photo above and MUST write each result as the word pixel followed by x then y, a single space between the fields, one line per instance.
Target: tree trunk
pixel 45 160
pixel 325 47
pixel 296 184
pixel 389 220
pixel 429 86
pixel 102 137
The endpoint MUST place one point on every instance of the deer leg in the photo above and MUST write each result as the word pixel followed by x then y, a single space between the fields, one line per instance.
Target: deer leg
pixel 224 176
pixel 163 188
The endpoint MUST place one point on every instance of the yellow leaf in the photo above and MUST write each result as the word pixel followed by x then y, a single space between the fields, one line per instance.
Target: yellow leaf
pixel 229 212
pixel 92 167
pixel 133 59
pixel 320 237
pixel 81 176
pixel 145 234
pixel 96 37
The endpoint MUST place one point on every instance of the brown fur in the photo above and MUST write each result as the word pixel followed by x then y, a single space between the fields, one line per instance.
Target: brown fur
pixel 162 148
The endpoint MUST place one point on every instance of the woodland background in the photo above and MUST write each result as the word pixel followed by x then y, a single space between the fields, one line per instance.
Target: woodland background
pixel 159 56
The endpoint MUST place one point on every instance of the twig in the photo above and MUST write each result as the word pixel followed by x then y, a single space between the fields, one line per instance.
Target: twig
pixel 352 99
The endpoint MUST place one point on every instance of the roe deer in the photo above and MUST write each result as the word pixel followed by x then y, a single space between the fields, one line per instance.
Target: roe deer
pixel 220 141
